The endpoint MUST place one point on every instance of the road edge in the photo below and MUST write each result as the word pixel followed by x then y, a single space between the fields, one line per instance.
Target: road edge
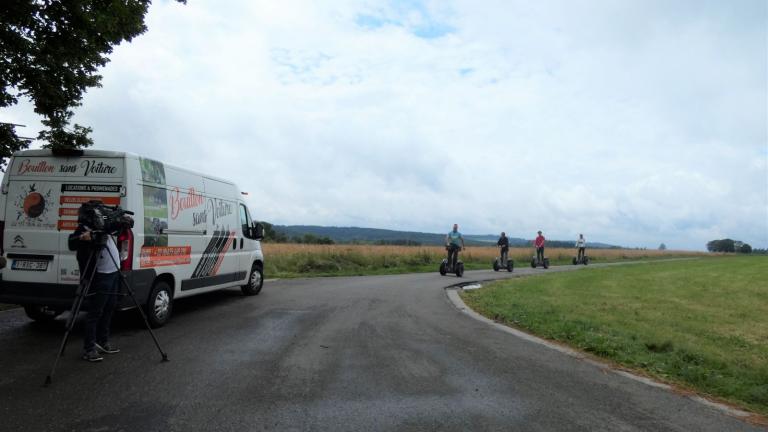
pixel 452 293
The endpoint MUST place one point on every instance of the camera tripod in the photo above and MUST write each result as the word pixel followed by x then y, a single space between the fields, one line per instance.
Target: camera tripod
pixel 82 292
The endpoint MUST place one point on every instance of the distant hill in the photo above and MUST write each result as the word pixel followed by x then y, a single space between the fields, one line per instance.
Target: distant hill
pixel 377 235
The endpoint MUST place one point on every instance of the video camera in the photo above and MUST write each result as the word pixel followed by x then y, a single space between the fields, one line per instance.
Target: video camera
pixel 102 218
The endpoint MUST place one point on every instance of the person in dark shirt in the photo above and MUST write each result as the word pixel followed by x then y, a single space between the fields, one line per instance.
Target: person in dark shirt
pixel 102 294
pixel 503 243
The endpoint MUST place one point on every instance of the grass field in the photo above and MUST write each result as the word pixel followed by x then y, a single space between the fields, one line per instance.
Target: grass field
pixel 700 323
pixel 292 260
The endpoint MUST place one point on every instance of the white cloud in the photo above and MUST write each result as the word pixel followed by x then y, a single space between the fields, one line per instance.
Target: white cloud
pixel 633 122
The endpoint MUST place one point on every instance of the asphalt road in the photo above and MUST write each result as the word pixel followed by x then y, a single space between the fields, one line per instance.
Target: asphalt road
pixel 359 353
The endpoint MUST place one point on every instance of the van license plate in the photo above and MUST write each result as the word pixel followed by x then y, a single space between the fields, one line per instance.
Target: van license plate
pixel 29 265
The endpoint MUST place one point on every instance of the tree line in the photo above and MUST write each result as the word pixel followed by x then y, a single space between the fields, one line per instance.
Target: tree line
pixel 729 245
pixel 272 235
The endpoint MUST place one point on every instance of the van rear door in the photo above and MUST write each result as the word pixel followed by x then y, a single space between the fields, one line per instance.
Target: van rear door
pixel 31 239
pixel 44 194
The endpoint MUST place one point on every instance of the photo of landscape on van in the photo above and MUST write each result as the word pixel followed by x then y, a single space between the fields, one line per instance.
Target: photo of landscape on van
pixel 155 203
pixel 384 215
pixel 155 215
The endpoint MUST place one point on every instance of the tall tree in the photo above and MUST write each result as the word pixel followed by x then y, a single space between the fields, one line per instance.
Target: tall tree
pixel 722 245
pixel 50 52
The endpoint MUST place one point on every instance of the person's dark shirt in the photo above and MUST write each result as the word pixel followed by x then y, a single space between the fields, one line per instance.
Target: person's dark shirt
pixel 84 249
pixel 503 241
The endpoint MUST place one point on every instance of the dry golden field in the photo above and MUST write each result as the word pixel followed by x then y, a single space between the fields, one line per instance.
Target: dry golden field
pixel 284 259
pixel 471 253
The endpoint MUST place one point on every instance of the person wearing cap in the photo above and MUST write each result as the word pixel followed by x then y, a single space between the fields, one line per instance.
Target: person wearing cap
pixel 581 244
pixel 539 243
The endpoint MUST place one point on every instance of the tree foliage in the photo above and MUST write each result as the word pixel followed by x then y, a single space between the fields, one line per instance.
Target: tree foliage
pixel 50 53
pixel 723 245
pixel 271 235
pixel 662 247
pixel 729 245
pixel 9 143
pixel 312 239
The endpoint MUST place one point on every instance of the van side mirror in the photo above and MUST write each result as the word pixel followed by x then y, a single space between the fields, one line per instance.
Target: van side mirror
pixel 257 231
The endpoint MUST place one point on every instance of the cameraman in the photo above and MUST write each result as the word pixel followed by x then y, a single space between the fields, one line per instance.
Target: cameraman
pixel 104 286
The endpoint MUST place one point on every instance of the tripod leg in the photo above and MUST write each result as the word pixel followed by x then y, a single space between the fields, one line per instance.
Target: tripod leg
pixel 143 316
pixel 138 306
pixel 82 292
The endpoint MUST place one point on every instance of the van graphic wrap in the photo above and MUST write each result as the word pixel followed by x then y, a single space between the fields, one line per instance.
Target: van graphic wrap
pixel 108 194
pixel 33 203
pixel 213 255
pixel 51 167
pixel 155 201
pixel 181 202
pixel 165 256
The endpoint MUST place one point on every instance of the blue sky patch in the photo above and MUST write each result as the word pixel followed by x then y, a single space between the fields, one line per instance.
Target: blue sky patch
pixel 412 15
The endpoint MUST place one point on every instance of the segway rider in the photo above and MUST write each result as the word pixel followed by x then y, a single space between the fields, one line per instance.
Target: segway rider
pixel 539 243
pixel 452 241
pixel 503 243
pixel 581 244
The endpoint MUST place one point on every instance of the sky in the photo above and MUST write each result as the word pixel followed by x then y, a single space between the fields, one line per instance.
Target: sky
pixel 633 122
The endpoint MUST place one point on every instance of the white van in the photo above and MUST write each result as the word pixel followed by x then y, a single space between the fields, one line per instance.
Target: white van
pixel 192 234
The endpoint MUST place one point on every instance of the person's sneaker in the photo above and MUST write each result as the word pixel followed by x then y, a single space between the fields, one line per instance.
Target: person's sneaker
pixel 107 348
pixel 92 356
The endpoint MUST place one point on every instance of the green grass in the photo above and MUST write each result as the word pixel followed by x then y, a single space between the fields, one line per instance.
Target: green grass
pixel 700 323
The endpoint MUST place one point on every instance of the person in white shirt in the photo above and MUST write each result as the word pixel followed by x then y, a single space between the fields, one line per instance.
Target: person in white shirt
pixel 581 244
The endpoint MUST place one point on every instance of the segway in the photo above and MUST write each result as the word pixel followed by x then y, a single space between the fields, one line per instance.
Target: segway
pixel 584 260
pixel 503 261
pixel 448 267
pixel 535 262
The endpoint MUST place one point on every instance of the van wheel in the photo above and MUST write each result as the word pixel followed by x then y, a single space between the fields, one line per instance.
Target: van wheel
pixel 255 281
pixel 159 304
pixel 41 313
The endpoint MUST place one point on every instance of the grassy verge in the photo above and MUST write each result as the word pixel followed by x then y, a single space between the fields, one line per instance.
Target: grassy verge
pixel 294 260
pixel 701 323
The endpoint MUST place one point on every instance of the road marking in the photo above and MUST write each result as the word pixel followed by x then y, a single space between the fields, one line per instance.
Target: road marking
pixel 455 298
